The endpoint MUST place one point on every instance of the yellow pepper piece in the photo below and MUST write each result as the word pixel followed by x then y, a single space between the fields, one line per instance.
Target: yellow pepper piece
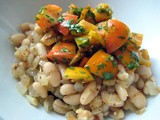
pixel 97 38
pixel 78 74
pixel 87 25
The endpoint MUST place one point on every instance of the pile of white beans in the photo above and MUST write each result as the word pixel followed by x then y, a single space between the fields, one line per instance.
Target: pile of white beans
pixel 42 82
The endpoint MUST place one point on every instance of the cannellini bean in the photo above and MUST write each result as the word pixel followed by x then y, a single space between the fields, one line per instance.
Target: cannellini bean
pixel 57 93
pixel 151 88
pixel 111 99
pixel 96 102
pixel 37 29
pixel 17 39
pixel 109 82
pixel 42 79
pixel 32 91
pixel 35 63
pixel 32 100
pixel 127 82
pixel 140 84
pixel 49 68
pixel 48 103
pixel 118 113
pixel 71 115
pixel 84 114
pixel 122 74
pixel 54 79
pixel 136 97
pixel 105 107
pixel 79 86
pixel 129 106
pixel 89 93
pixel 121 91
pixel 22 53
pixel 22 89
pixel 73 99
pixel 25 80
pixel 26 41
pixel 41 91
pixel 61 69
pixel 67 89
pixel 25 26
pixel 17 70
pixel 60 107
pixel 32 49
pixel 144 71
pixel 41 50
pixel 97 111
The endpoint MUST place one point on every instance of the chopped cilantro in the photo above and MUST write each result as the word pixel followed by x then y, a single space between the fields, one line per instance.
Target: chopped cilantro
pixel 87 67
pixel 77 28
pixel 60 19
pixel 134 56
pixel 120 57
pixel 82 72
pixel 71 67
pixel 132 65
pixel 101 66
pixel 50 18
pixel 121 37
pixel 64 50
pixel 65 60
pixel 107 75
pixel 108 11
pixel 42 10
pixel 77 11
pixel 66 76
pixel 82 42
pixel 129 38
pixel 114 63
pixel 109 58
pixel 102 27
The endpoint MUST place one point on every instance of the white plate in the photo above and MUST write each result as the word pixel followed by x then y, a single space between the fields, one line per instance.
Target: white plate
pixel 140 15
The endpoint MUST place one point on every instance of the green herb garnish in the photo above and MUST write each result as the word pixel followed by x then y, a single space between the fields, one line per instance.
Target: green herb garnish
pixel 107 75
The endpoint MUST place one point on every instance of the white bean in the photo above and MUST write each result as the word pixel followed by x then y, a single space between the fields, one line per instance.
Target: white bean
pixel 122 74
pixel 96 102
pixel 17 39
pixel 25 26
pixel 73 99
pixel 151 88
pixel 32 100
pixel 84 114
pixel 41 91
pixel 25 80
pixel 89 93
pixel 54 79
pixel 41 50
pixel 60 107
pixel 140 84
pixel 144 71
pixel 67 89
pixel 22 53
pixel 111 99
pixel 136 97
pixel 21 88
pixel 49 68
pixel 26 41
pixel 17 70
pixel 35 63
pixel 121 91
pixel 48 103
pixel 42 79
pixel 61 69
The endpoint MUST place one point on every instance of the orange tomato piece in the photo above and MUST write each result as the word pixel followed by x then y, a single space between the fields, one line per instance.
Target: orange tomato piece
pixel 48 16
pixel 103 65
pixel 117 35
pixel 63 52
pixel 83 62
pixel 134 41
pixel 128 58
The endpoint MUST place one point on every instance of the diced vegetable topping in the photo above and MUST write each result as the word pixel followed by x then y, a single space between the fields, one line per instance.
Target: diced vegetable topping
pixel 78 74
pixel 103 65
pixel 89 38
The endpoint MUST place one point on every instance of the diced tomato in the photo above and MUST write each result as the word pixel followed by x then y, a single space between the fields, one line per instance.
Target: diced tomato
pixel 63 52
pixel 117 35
pixel 83 62
pixel 48 16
